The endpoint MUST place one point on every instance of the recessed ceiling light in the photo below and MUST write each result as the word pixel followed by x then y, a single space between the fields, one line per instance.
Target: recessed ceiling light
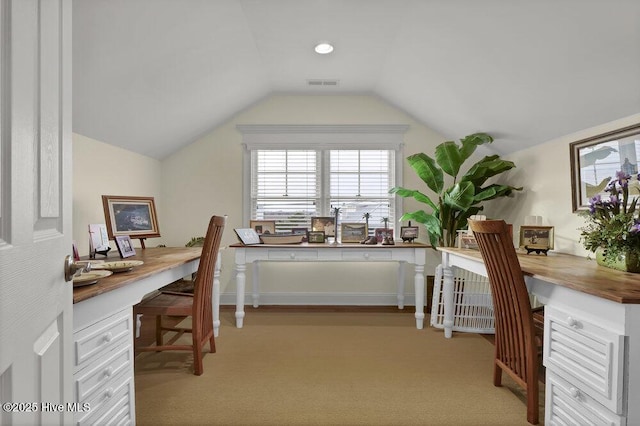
pixel 324 48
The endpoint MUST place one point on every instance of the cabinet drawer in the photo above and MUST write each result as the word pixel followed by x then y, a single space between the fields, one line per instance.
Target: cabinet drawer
pixel 586 355
pixel 358 255
pixel 276 254
pixel 111 398
pixel 94 377
pixel 568 405
pixel 102 336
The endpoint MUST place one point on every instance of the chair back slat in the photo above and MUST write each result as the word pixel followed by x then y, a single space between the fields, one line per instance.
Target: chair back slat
pixel 203 287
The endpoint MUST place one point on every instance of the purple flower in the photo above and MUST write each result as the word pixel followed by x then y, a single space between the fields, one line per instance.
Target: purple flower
pixel 623 178
pixel 635 228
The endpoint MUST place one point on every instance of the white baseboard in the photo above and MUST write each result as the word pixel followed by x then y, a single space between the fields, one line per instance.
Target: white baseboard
pixel 359 299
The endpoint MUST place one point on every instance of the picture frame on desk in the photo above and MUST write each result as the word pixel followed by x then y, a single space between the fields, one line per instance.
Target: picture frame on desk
pixel 536 237
pixel 326 224
pixel 248 236
pixel 381 233
pixel 263 226
pixel 353 232
pixel 125 246
pixel 132 216
pixel 316 236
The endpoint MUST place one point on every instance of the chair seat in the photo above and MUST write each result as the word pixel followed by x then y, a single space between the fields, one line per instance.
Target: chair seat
pixel 168 303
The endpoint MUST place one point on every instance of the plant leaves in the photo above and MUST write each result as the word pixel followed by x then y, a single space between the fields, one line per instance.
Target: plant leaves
pixel 427 170
pixel 471 142
pixel 461 196
pixel 494 191
pixel 449 158
pixel 417 195
pixel 487 167
pixel 430 222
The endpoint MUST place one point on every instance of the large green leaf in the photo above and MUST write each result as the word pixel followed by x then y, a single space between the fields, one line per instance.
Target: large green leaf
pixel 471 142
pixel 494 191
pixel 461 220
pixel 430 222
pixel 417 195
pixel 427 170
pixel 449 158
pixel 461 196
pixel 487 167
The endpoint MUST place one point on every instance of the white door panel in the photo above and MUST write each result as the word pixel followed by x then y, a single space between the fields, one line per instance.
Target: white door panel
pixel 35 212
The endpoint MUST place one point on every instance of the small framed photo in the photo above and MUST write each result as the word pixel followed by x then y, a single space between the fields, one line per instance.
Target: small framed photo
pixel 353 232
pixel 316 236
pixel 325 224
pixel 300 231
pixel 408 233
pixel 132 216
pixel 381 233
pixel 263 226
pixel 536 237
pixel 125 246
pixel 248 236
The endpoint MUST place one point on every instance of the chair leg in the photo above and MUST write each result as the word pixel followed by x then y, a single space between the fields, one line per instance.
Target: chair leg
pixel 532 405
pixel 212 344
pixel 159 330
pixel 497 375
pixel 197 358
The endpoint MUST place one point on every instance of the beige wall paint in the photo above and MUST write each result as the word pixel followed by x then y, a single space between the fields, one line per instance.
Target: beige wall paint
pixel 544 172
pixel 206 178
pixel 103 169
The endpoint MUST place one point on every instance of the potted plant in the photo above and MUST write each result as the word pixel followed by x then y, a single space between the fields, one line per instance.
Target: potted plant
pixel 461 198
pixel 612 230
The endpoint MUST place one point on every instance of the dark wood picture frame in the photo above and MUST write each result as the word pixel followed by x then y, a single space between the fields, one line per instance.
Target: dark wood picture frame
pixel 316 236
pixel 132 216
pixel 587 155
pixel 125 246
pixel 536 237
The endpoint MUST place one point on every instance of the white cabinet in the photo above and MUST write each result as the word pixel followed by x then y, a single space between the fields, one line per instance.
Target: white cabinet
pixel 585 370
pixel 103 371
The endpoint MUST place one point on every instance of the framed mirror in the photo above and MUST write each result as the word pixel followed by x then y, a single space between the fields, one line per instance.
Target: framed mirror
pixel 595 161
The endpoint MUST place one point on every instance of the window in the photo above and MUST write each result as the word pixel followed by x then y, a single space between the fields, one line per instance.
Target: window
pixel 296 176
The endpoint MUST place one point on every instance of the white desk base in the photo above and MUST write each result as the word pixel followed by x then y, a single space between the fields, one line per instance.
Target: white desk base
pixel 402 253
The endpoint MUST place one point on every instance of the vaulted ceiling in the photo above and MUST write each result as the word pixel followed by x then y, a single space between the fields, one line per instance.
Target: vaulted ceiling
pixel 153 75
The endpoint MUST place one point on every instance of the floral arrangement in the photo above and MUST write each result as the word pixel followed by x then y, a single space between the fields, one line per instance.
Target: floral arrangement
pixel 613 224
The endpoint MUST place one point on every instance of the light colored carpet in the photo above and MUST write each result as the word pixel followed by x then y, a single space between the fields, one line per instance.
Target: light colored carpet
pixel 329 368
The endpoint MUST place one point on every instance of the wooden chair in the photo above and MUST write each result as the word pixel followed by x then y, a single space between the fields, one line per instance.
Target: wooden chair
pixel 197 305
pixel 518 339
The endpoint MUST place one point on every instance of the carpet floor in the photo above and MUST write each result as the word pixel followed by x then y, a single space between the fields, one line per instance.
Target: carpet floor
pixel 299 367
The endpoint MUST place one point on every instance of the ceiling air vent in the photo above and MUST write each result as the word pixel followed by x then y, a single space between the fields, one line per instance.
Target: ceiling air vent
pixel 319 83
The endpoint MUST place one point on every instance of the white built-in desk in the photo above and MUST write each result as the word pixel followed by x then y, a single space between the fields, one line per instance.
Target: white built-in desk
pixel 402 253
pixel 591 334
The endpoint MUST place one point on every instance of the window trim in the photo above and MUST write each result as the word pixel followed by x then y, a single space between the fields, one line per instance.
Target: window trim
pixel 319 136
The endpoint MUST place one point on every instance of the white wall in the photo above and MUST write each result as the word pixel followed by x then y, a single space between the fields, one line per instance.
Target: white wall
pixel 205 178
pixel 102 169
pixel 544 172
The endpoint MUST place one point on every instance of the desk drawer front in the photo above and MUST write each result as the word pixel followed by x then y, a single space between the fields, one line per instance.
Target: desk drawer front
pixel 99 376
pixel 587 356
pixel 103 335
pixel 360 255
pixel 566 405
pixel 112 398
pixel 282 254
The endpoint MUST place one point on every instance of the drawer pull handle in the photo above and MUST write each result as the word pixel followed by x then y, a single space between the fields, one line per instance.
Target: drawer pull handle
pixel 292 255
pixel 575 393
pixel 108 371
pixel 108 393
pixel 366 255
pixel 572 322
pixel 108 337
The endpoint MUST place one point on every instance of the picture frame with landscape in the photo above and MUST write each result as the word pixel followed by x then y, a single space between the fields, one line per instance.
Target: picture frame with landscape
pixel 263 226
pixel 132 216
pixel 536 237
pixel 353 232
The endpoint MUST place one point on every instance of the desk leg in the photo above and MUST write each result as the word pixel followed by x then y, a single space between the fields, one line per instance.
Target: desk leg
pixel 216 297
pixel 254 279
pixel 240 284
pixel 419 290
pixel 447 300
pixel 401 285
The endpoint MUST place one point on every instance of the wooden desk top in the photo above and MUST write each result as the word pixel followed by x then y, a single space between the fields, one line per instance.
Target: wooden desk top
pixel 327 245
pixel 155 260
pixel 575 272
